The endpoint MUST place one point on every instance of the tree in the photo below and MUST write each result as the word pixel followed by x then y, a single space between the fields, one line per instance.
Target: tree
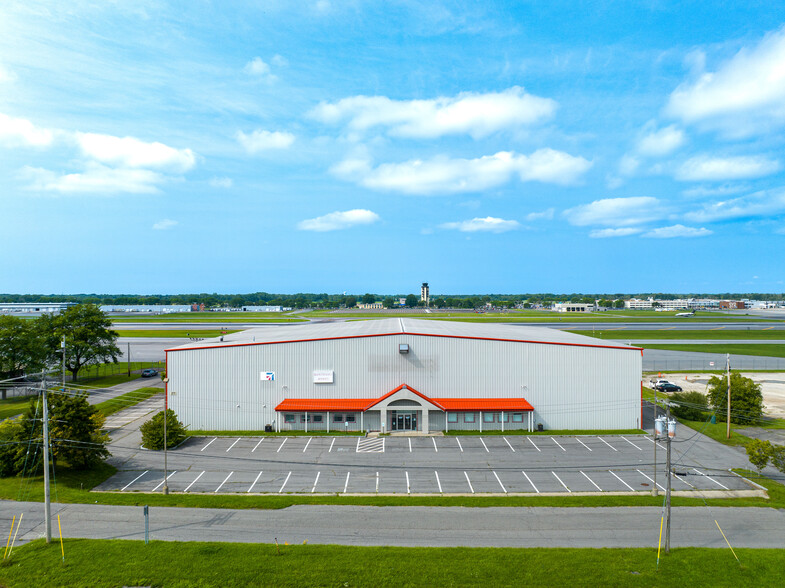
pixel 10 434
pixel 690 406
pixel 759 453
pixel 746 399
pixel 411 301
pixel 21 347
pixel 368 299
pixel 75 432
pixel 389 302
pixel 153 431
pixel 89 339
pixel 778 457
pixel 350 302
pixel 618 304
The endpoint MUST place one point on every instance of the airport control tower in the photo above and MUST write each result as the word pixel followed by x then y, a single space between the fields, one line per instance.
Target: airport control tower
pixel 425 294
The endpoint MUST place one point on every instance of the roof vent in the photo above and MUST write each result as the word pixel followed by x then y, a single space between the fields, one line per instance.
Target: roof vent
pixel 403 348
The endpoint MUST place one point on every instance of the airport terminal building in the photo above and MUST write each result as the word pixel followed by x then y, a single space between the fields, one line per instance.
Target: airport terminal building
pixel 402 374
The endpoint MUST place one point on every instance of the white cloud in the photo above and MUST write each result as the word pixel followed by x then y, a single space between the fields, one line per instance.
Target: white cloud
pixel 760 204
pixel 444 175
pixel 487 224
pixel 675 231
pixel 221 182
pixel 134 153
pixel 546 214
pixel 257 67
pixel 339 220
pixel 608 233
pixel 261 140
pixel 705 168
pixel 279 61
pixel 164 224
pixel 475 114
pixel 747 91
pixel 96 178
pixel 661 142
pixel 724 190
pixel 617 212
pixel 6 75
pixel 20 131
pixel 628 165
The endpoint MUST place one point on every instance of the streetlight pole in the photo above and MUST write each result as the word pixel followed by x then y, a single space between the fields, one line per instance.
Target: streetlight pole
pixel 166 441
pixel 47 503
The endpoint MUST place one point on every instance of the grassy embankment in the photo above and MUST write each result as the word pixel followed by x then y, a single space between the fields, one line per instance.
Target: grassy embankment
pixel 175 333
pixel 97 563
pixel 765 350
pixel 210 317
pixel 127 400
pixel 709 335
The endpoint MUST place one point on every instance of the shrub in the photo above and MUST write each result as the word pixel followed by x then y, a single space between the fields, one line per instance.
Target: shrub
pixel 691 405
pixel 746 399
pixel 153 431
pixel 759 453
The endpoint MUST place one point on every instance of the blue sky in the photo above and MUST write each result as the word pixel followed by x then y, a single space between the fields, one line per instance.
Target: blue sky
pixel 323 146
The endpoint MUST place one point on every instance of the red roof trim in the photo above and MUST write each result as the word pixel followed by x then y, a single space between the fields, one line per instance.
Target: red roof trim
pixel 407 333
pixel 401 387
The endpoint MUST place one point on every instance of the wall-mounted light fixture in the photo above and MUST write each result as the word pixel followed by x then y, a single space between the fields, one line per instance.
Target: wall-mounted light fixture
pixel 403 348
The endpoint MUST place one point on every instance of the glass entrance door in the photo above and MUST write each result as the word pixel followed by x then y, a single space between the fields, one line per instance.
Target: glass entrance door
pixel 403 421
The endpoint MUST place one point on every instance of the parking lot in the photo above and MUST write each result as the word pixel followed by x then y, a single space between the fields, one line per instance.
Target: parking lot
pixel 494 464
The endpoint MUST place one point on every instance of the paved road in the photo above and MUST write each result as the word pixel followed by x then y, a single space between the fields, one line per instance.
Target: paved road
pixel 412 526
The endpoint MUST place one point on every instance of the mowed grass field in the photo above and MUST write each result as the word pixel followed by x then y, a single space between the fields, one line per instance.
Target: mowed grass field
pixel 209 317
pixel 709 334
pixel 167 333
pixel 97 563
pixel 768 350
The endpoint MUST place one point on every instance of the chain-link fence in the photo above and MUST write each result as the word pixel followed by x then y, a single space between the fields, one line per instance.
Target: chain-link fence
pixel 712 363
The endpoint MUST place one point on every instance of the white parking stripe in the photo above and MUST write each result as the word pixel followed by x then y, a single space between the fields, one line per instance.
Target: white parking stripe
pixel 592 481
pixel 683 481
pixel 508 443
pixel 434 444
pixel 557 443
pixel 651 480
pixel 633 444
pixel 408 488
pixel 331 445
pixel 282 444
pixel 346 486
pixel 208 445
pixel 606 443
pixel 254 482
pixel 307 444
pixel 134 480
pixel 410 445
pixel 194 482
pixel 377 482
pixel 469 481
pixel 560 482
pixel 660 444
pixel 233 444
pixel 224 482
pixel 712 479
pixel 257 445
pixel 438 483
pixel 532 442
pixel 584 444
pixel 484 445
pixel 530 482
pixel 620 480
pixel 459 444
pixel 500 483
pixel 284 482
pixel 357 449
pixel 161 483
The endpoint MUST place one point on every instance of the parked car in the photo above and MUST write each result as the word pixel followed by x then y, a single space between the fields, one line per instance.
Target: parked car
pixel 150 373
pixel 667 387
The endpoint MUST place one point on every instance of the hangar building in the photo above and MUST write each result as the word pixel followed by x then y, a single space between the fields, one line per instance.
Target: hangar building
pixel 402 374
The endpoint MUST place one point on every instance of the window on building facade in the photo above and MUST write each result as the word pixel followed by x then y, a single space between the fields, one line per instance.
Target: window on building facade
pixel 337 418
pixel 452 417
pixel 506 417
pixel 468 417
pixel 349 418
pixel 517 417
pixel 317 418
pixel 488 417
pixel 288 418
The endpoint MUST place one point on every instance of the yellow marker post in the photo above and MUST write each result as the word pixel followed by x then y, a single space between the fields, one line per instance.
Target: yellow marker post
pixel 659 543
pixel 726 540
pixel 59 528
pixel 7 543
pixel 19 524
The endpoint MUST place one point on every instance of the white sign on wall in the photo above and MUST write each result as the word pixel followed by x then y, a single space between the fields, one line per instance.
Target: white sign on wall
pixel 268 376
pixel 323 376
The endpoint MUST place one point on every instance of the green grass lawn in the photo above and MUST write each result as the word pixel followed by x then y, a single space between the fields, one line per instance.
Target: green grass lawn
pixel 111 369
pixel 198 433
pixel 127 400
pixel 553 432
pixel 716 334
pixel 14 406
pixel 766 350
pixel 97 563
pixel 166 333
pixel 105 382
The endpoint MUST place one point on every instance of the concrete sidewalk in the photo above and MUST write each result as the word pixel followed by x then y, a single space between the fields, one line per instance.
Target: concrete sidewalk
pixel 412 526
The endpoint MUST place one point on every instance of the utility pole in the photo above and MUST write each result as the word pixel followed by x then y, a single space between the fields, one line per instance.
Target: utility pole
pixel 668 487
pixel 166 441
pixel 654 491
pixel 727 418
pixel 47 505
pixel 62 346
pixel 128 357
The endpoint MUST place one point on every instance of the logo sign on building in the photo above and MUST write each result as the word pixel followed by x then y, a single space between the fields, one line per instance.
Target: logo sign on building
pixel 323 376
pixel 268 376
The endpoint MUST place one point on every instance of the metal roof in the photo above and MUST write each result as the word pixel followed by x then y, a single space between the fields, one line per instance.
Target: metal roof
pixel 397 326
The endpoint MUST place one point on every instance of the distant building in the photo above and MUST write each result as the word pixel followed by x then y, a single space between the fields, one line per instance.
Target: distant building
pixel 34 307
pixel 372 305
pixel 425 294
pixel 649 303
pixel 263 309
pixel 732 304
pixel 145 308
pixel 572 307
